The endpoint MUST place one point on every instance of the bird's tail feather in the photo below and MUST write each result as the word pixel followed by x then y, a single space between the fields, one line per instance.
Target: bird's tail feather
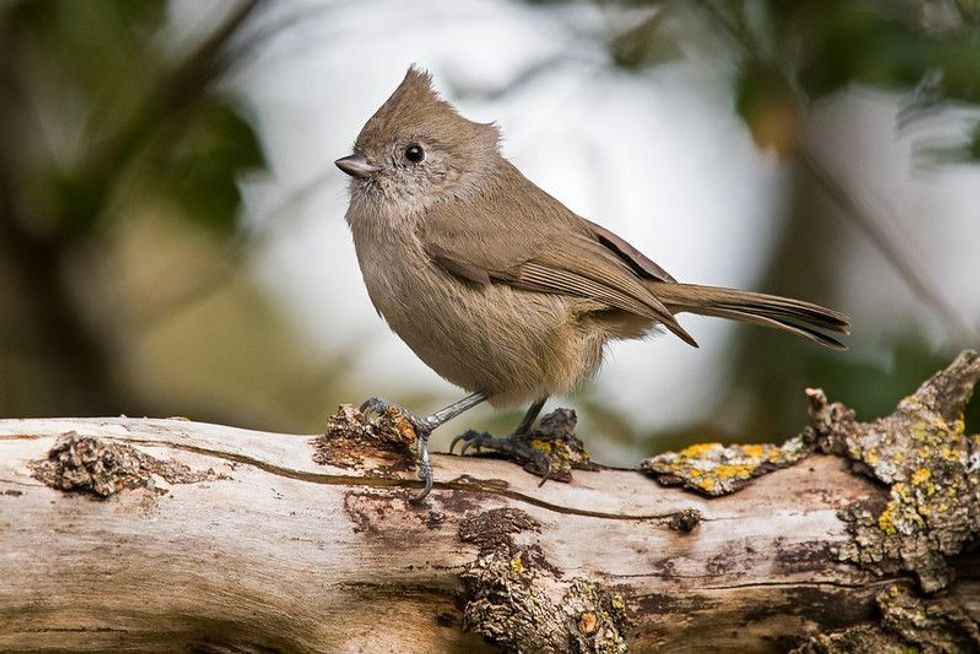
pixel 810 321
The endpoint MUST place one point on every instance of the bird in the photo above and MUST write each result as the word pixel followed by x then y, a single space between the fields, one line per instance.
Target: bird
pixel 495 284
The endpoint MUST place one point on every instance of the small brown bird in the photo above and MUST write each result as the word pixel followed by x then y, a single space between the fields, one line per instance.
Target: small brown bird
pixel 496 285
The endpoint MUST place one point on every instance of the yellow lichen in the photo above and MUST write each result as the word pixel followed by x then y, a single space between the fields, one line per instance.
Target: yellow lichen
pixel 516 566
pixel 921 454
pixel 902 491
pixel 694 451
pixel 919 430
pixel 541 446
pixel 886 520
pixel 733 470
pixel 720 469
pixel 921 475
pixel 754 451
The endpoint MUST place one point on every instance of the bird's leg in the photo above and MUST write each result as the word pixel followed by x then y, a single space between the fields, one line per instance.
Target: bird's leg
pixel 530 416
pixel 424 426
pixel 515 444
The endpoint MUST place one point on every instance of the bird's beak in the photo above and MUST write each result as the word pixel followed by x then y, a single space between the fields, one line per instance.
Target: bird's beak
pixel 356 165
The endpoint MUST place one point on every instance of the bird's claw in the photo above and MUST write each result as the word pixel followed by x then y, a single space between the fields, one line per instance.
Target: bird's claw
pixel 470 439
pixel 374 406
pixel 422 426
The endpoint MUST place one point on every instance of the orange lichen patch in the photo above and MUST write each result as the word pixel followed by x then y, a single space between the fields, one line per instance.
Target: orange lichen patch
pixel 403 426
pixel 715 469
pixel 588 623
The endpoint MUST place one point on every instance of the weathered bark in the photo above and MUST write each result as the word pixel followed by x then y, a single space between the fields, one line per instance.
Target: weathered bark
pixel 160 535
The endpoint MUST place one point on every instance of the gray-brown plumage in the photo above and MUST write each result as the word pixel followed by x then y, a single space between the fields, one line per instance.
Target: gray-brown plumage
pixel 493 283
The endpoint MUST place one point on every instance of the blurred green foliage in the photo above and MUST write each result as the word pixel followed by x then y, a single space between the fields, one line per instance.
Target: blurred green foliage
pixel 884 44
pixel 204 168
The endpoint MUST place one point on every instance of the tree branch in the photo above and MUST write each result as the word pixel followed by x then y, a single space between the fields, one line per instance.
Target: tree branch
pixel 173 535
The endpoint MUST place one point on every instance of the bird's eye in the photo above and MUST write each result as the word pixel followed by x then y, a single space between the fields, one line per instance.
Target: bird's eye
pixel 414 153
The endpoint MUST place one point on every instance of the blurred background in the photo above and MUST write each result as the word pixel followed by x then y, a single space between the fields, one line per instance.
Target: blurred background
pixel 172 238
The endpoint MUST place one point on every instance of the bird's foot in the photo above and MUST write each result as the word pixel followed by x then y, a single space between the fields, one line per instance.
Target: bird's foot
pixel 408 426
pixel 550 450
pixel 518 446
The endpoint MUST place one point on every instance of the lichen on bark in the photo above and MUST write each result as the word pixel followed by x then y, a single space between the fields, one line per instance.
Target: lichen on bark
pixel 930 467
pixel 714 469
pixel 520 602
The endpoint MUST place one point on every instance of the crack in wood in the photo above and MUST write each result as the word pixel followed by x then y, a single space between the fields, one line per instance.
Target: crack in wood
pixel 381 482
pixel 807 584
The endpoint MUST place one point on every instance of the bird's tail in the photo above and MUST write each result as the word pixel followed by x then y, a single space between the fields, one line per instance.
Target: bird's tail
pixel 804 319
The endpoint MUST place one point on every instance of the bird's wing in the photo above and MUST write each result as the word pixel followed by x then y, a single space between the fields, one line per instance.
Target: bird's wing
pixel 554 251
pixel 639 262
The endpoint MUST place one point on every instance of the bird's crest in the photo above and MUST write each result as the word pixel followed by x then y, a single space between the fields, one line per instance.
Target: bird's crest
pixel 415 106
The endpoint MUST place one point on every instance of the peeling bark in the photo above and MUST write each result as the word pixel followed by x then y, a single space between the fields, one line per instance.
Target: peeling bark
pixel 168 535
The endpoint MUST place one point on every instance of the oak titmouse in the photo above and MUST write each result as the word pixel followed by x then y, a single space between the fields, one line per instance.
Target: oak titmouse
pixel 496 285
